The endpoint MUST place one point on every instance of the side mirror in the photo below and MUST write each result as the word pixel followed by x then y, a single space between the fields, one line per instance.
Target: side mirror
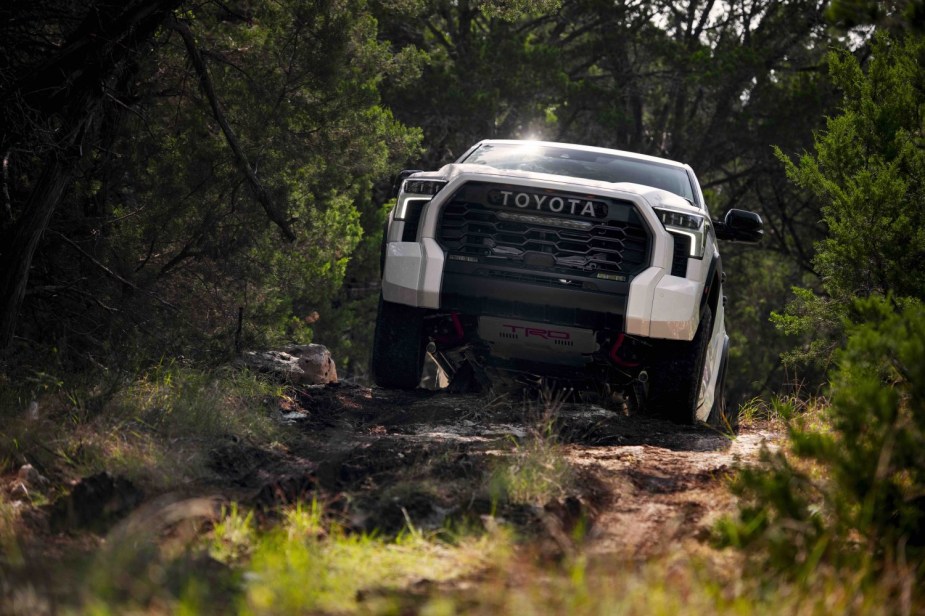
pixel 401 177
pixel 740 226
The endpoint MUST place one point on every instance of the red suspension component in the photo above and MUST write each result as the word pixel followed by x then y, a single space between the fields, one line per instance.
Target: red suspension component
pixel 452 334
pixel 615 354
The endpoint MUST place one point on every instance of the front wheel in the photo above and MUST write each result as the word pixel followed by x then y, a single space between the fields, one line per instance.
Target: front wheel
pixel 398 346
pixel 674 382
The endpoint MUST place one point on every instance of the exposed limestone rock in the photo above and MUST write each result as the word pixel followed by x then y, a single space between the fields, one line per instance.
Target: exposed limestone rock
pixel 31 477
pixel 301 364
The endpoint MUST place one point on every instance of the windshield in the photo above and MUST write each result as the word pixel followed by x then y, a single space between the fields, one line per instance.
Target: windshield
pixel 582 164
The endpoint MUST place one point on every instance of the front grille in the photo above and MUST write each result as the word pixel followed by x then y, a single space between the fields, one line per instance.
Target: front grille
pixel 616 245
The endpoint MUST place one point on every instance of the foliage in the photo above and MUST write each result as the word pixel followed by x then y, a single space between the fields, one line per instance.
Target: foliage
pixel 868 171
pixel 162 244
pixel 850 493
pixel 307 565
pixel 149 429
pixel 314 71
pixel 892 14
pixel 758 282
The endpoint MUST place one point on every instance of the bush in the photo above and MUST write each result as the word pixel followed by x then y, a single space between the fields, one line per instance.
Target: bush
pixel 851 495
pixel 868 172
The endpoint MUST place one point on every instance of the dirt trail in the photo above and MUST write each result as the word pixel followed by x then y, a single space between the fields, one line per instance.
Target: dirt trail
pixel 666 490
pixel 381 459
pixel 643 483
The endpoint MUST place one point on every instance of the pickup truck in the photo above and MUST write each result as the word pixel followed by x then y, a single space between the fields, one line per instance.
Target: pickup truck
pixel 527 260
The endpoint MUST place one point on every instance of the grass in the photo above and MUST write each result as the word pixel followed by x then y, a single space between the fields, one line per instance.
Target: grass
pixel 536 471
pixel 149 429
pixel 327 570
pixel 233 536
pixel 780 410
pixel 306 563
pixel 692 581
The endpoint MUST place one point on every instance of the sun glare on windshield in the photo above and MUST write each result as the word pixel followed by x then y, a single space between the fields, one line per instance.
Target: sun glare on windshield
pixel 538 157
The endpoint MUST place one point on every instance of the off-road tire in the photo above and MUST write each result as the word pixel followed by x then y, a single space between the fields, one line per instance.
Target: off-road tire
pixel 398 346
pixel 674 380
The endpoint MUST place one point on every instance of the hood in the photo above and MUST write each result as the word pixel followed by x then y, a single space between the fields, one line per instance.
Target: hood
pixel 656 197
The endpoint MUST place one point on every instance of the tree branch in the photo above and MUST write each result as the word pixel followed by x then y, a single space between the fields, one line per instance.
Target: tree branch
pixel 205 82
pixel 108 271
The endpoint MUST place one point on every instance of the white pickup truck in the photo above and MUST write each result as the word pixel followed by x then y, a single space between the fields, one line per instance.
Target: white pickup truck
pixel 582 265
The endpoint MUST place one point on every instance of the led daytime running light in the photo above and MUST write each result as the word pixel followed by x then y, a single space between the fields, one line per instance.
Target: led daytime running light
pixel 423 187
pixel 680 220
pixel 691 225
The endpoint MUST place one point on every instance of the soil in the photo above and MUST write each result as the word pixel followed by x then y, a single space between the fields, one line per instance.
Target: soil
pixel 642 483
pixel 383 459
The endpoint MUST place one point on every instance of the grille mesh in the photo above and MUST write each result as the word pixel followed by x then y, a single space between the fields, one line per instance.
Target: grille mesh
pixel 617 245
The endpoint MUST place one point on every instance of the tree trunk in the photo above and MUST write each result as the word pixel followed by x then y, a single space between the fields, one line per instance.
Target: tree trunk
pixel 17 258
pixel 63 95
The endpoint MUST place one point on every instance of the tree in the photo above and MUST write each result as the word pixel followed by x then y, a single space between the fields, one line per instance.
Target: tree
pixel 56 105
pixel 868 172
pixel 864 513
pixel 228 179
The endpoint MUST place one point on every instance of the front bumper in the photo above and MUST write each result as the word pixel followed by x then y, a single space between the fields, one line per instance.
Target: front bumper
pixel 654 304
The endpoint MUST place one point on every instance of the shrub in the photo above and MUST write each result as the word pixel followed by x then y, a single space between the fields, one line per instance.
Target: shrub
pixel 852 495
pixel 868 172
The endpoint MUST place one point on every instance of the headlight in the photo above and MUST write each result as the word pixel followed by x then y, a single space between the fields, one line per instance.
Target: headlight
pixel 686 223
pixel 422 187
pixel 413 188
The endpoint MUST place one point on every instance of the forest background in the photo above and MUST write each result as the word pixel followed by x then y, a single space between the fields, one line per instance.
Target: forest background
pixel 187 179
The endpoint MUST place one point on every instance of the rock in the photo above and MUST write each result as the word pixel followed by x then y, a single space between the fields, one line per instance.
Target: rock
pixel 432 377
pixel 30 477
pixel 26 481
pixel 301 364
pixel 316 362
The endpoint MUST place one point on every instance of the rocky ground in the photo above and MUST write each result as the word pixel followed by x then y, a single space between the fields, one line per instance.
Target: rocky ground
pixel 634 486
pixel 641 483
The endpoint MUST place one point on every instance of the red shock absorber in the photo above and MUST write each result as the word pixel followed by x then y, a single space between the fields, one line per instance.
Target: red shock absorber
pixel 615 354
